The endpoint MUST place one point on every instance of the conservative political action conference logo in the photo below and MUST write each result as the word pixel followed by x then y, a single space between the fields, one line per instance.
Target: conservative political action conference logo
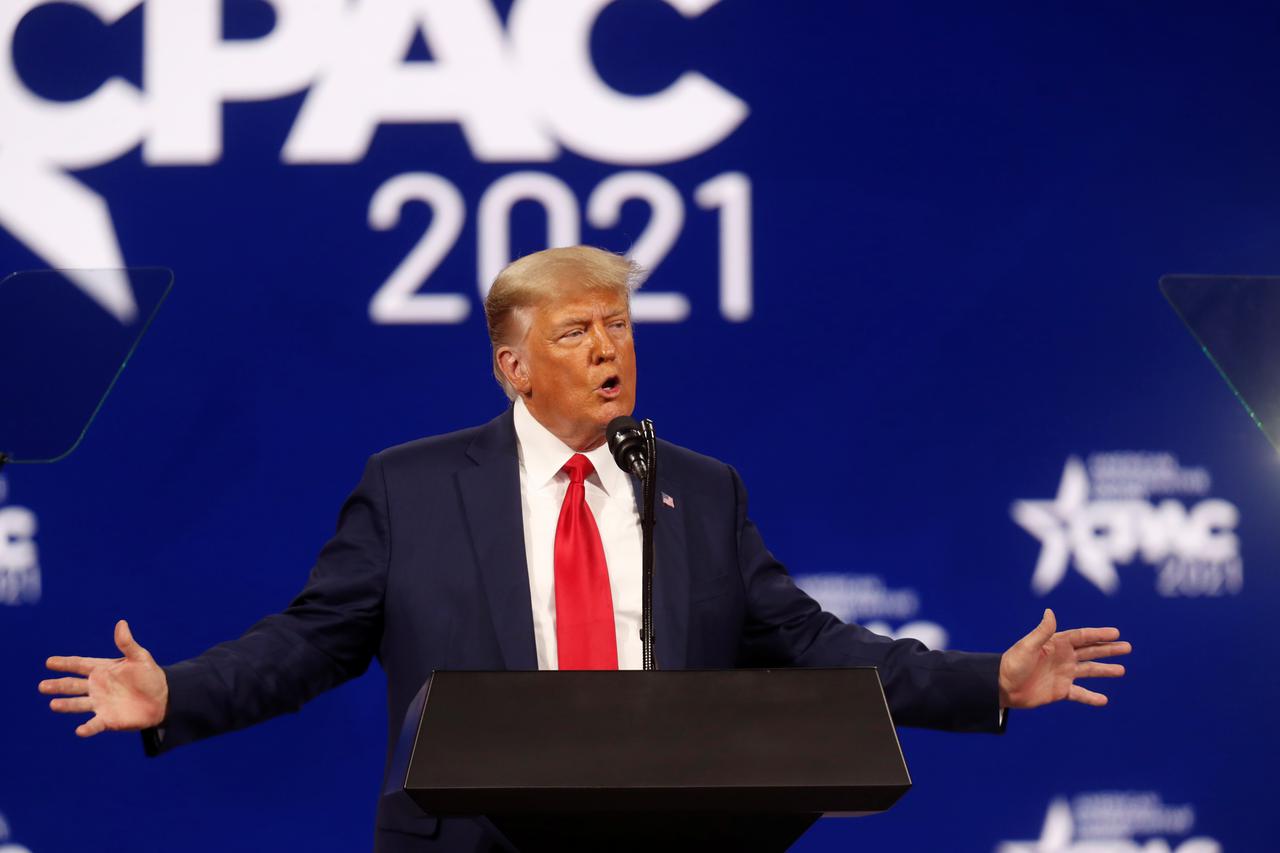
pixel 1115 822
pixel 867 601
pixel 19 559
pixel 1124 508
pixel 522 90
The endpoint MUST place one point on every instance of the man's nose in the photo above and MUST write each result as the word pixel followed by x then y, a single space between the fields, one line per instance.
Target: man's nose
pixel 604 347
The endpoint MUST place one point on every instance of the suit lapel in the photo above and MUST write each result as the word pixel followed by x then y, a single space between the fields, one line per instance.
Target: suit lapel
pixel 670 575
pixel 491 502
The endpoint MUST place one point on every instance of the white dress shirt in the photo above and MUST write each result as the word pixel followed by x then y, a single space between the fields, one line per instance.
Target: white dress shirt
pixel 612 502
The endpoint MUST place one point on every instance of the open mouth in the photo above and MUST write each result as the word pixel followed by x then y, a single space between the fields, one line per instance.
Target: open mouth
pixel 610 388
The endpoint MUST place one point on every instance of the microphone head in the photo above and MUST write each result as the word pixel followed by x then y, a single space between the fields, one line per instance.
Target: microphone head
pixel 619 426
pixel 626 443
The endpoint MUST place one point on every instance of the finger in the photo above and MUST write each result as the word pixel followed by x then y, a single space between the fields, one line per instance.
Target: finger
pixel 65 686
pixel 1086 697
pixel 1099 670
pixel 1089 636
pixel 78 665
pixel 95 726
pixel 77 705
pixel 1103 650
pixel 127 645
pixel 1042 632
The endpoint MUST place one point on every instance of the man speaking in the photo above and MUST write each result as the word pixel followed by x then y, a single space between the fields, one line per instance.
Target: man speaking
pixel 517 545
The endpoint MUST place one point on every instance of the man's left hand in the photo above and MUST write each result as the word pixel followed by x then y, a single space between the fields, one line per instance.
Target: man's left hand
pixel 1043 666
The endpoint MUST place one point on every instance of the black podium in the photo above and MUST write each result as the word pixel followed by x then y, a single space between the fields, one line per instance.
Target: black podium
pixel 740 759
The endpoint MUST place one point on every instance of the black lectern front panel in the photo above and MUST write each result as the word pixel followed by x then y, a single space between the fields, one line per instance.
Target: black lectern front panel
pixel 786 741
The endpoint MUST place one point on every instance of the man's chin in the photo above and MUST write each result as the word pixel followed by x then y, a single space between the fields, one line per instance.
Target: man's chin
pixel 611 409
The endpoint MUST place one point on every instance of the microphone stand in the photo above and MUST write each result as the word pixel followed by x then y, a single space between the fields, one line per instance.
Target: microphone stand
pixel 647 520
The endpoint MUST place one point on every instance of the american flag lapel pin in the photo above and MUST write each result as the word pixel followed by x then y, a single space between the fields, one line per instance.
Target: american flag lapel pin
pixel 667 500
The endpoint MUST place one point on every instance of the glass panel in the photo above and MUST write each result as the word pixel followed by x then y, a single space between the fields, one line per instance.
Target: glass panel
pixel 65 336
pixel 1236 320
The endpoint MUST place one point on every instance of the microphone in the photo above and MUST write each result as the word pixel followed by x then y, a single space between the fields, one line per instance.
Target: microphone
pixel 626 443
pixel 635 450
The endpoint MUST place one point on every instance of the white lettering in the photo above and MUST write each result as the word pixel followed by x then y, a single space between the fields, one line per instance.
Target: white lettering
pixel 515 96
pixel 19 562
pixel 191 71
pixel 552 43
pixel 398 301
pixel 1096 535
pixel 931 634
pixel 666 220
pixel 1114 830
pixel 730 193
pixel 95 129
pixel 494 238
pixel 471 80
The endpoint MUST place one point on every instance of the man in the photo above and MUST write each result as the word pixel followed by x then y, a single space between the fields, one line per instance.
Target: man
pixel 516 545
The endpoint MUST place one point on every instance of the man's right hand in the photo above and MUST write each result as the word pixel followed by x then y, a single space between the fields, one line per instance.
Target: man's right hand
pixel 129 693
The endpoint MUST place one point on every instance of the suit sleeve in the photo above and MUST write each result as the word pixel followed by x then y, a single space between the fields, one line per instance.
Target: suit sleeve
pixel 955 691
pixel 327 635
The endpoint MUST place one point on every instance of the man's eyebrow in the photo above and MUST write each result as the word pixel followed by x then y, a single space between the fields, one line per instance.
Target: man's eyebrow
pixel 584 320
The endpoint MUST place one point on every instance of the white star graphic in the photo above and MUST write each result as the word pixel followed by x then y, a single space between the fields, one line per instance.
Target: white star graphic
pixel 68 225
pixel 1059 524
pixel 1055 835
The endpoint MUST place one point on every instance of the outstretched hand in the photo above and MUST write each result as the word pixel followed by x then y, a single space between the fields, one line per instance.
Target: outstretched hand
pixel 1042 667
pixel 128 693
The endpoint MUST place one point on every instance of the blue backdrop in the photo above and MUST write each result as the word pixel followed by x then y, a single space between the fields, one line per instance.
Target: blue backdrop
pixel 908 251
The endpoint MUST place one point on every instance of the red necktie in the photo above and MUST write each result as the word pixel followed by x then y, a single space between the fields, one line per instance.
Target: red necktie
pixel 585 631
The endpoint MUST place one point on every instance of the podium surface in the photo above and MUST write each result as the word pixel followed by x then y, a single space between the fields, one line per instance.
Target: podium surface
pixel 565 760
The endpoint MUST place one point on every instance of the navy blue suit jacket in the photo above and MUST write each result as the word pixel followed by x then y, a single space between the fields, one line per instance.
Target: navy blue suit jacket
pixel 427 571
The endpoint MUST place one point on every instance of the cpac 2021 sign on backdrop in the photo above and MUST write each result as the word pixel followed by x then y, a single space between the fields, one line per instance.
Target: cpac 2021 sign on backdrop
pixel 903 269
pixel 522 93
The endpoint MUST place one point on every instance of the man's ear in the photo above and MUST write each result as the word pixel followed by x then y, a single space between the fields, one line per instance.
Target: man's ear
pixel 515 369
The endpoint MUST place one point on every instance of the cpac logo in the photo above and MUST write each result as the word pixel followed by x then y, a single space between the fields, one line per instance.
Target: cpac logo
pixel 519 94
pixel 1111 823
pixel 865 599
pixel 19 561
pixel 1097 525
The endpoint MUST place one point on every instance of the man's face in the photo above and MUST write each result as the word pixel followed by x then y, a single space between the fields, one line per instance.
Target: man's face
pixel 579 364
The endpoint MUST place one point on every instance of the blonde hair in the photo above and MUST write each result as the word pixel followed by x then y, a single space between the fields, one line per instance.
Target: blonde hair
pixel 531 280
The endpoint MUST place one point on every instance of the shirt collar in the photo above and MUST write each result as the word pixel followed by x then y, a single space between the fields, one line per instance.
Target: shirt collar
pixel 543 454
